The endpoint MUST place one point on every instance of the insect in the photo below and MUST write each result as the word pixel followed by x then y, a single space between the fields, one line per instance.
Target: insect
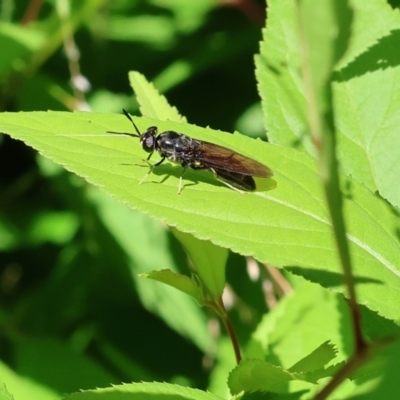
pixel 233 169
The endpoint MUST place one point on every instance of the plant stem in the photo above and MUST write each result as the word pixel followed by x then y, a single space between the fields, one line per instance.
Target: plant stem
pixel 229 327
pixel 359 357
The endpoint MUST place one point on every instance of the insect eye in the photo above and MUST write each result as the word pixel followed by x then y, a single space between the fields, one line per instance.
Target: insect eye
pixel 148 143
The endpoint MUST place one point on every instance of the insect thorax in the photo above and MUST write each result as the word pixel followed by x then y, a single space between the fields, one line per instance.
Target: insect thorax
pixel 176 147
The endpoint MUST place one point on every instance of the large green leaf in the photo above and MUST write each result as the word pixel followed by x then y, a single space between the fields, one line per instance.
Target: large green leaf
pixel 143 391
pixel 288 226
pixel 366 87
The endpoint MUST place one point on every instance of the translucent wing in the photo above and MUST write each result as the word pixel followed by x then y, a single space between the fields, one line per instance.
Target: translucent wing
pixel 221 158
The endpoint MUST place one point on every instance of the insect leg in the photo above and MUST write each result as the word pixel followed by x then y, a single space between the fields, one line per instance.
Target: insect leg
pixel 151 169
pixel 148 158
pixel 181 180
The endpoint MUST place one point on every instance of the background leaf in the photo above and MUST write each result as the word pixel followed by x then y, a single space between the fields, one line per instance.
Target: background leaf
pixel 291 331
pixel 209 261
pixel 321 356
pixel 369 71
pixel 177 281
pixel 152 104
pixel 143 391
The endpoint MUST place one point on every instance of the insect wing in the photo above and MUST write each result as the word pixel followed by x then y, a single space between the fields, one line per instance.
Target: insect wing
pixel 220 158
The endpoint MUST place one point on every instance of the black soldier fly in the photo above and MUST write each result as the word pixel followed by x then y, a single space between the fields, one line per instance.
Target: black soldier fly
pixel 234 170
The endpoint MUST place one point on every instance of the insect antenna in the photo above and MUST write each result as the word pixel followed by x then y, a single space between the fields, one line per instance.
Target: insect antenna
pixel 128 133
pixel 130 119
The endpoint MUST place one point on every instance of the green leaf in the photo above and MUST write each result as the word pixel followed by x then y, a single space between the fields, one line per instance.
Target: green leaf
pixel 187 16
pixel 157 31
pixel 23 388
pixel 365 87
pixel 289 333
pixel 178 281
pixel 143 391
pixel 259 375
pixel 311 315
pixel 325 42
pixel 317 359
pixel 4 393
pixel 152 104
pixel 31 379
pixel 53 227
pixel 257 395
pixel 322 45
pixel 288 226
pixel 293 328
pixel 73 370
pixel 209 261
pixel 16 42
